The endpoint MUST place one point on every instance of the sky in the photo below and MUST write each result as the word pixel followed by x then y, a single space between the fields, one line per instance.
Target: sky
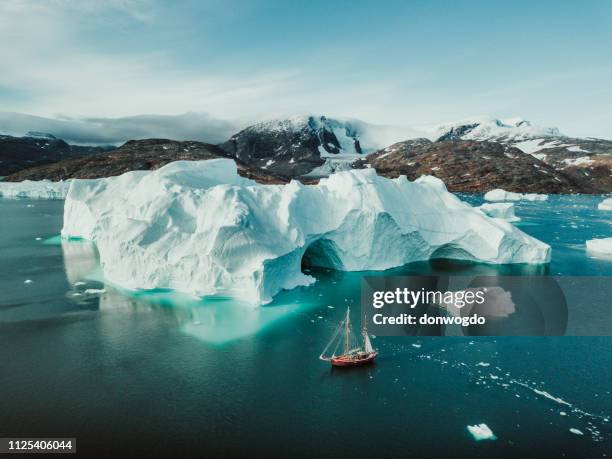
pixel 226 63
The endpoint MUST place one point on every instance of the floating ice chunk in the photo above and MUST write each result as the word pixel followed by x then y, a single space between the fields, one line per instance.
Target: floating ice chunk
pixel 534 197
pixel 499 195
pixel 575 431
pixel 606 204
pixel 481 432
pixel 43 189
pixel 504 210
pixel 200 228
pixel 547 395
pixel 600 246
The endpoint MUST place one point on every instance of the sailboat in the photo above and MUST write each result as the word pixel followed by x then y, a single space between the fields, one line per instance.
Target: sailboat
pixel 353 353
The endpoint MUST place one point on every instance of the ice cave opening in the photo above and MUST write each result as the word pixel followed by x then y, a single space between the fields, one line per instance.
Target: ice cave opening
pixel 322 253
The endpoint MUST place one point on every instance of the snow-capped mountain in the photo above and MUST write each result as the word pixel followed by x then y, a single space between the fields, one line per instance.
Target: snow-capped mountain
pixel 584 159
pixel 315 145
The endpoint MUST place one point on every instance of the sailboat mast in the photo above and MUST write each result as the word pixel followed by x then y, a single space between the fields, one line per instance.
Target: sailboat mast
pixel 348 331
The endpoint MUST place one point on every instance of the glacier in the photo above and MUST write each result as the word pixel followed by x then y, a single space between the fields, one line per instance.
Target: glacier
pixel 33 189
pixel 200 228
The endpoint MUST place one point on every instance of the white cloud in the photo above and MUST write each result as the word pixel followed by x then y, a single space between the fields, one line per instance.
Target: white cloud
pixel 188 126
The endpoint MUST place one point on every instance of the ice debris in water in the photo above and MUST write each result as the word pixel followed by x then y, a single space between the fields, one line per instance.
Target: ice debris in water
pixel 481 432
pixel 606 204
pixel 498 195
pixel 600 246
pixel 200 228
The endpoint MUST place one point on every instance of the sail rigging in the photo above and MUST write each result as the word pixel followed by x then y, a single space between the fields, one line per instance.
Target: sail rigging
pixel 345 341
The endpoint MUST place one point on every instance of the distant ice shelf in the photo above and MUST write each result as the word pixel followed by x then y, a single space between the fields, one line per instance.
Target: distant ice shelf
pixel 200 228
pixel 31 189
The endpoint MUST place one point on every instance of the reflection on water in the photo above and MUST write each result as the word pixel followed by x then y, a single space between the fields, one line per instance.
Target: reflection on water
pixel 215 320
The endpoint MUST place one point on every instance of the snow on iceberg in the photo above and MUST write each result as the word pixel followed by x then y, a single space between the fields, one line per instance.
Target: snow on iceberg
pixel 504 210
pixel 600 246
pixel 606 204
pixel 200 228
pixel 499 195
pixel 481 432
pixel 43 189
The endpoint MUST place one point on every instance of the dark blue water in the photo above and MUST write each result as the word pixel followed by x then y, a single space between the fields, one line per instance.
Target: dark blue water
pixel 162 373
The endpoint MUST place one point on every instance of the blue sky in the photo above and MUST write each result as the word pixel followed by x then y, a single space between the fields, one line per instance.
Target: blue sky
pixel 403 63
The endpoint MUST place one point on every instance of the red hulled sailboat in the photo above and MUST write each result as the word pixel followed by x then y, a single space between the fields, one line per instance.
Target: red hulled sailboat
pixel 353 352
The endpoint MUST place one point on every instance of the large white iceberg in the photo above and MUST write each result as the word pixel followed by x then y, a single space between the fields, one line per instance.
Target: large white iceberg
pixel 499 195
pixel 200 228
pixel 606 204
pixel 43 189
pixel 504 210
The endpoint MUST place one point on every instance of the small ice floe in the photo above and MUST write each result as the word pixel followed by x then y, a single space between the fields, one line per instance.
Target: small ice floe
pixel 606 204
pixel 28 281
pixel 416 345
pixel 94 291
pixel 482 364
pixel 600 246
pixel 481 432
pixel 575 431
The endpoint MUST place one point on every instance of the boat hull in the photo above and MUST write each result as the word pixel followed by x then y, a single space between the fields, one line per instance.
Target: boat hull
pixel 353 361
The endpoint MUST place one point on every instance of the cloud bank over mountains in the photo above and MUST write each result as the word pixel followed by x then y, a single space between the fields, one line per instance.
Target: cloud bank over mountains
pixel 101 131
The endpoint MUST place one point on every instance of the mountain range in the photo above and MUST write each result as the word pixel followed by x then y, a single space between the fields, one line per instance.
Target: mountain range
pixel 472 155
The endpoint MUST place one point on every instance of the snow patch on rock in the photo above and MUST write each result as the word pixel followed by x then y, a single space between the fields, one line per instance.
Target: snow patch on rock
pixel 200 228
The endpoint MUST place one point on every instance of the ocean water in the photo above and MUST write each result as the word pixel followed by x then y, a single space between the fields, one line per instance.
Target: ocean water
pixel 168 374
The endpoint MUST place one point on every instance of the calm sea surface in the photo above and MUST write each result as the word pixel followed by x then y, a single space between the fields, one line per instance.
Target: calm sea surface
pixel 162 373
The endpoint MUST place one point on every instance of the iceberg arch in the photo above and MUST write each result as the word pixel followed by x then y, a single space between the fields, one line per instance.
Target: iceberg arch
pixel 200 228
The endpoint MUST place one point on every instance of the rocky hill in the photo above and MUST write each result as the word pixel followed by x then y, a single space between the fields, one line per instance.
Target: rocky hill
pixel 473 166
pixel 136 155
pixel 587 160
pixel 34 149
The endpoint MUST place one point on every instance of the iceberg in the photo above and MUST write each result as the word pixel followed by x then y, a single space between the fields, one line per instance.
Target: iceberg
pixel 499 195
pixel 43 189
pixel 200 228
pixel 504 210
pixel 606 204
pixel 600 246
pixel 481 432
